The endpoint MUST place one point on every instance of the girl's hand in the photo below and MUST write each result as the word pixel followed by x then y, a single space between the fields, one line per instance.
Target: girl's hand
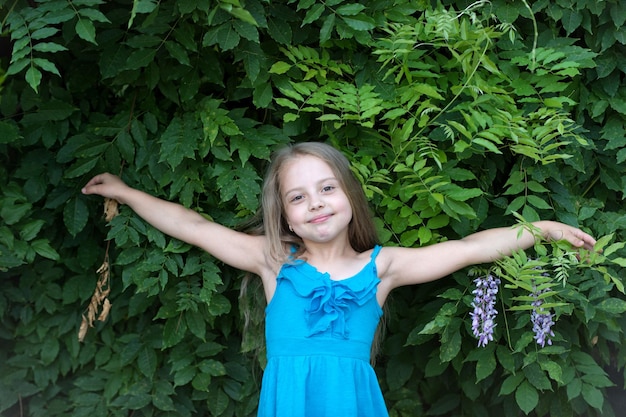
pixel 106 185
pixel 555 231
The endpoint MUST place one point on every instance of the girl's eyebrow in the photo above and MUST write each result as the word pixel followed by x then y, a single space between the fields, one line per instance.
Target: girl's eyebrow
pixel 291 190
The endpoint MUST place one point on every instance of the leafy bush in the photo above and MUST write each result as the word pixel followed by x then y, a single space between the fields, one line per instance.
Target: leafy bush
pixel 454 117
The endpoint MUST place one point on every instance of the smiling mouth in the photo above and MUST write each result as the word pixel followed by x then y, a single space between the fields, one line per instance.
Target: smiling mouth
pixel 320 219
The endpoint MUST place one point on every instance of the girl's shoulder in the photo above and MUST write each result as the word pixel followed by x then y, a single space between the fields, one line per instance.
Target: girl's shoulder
pixel 394 260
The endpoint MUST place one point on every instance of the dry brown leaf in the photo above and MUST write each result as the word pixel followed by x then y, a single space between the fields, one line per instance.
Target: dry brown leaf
pixel 99 300
pixel 82 332
pixel 110 209
pixel 103 268
pixel 106 307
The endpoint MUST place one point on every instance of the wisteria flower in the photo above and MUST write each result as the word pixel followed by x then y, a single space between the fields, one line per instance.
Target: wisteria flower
pixel 542 320
pixel 484 314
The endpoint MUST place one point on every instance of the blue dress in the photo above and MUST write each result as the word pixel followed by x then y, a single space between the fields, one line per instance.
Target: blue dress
pixel 319 334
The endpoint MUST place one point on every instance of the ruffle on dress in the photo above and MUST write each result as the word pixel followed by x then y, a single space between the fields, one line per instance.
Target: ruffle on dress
pixel 330 300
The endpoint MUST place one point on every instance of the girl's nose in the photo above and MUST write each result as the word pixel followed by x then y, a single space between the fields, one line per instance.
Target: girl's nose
pixel 315 204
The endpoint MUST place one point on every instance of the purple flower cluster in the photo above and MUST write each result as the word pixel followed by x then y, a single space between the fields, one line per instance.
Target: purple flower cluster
pixel 542 320
pixel 484 314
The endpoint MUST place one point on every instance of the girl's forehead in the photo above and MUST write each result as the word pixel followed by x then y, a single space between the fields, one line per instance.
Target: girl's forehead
pixel 303 169
pixel 305 162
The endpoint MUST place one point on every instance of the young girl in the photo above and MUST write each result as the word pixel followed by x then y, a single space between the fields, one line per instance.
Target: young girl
pixel 324 276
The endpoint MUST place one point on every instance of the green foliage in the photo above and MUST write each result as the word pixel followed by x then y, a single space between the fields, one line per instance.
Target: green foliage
pixel 455 119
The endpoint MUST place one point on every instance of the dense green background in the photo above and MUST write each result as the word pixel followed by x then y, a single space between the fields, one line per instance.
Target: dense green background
pixel 456 117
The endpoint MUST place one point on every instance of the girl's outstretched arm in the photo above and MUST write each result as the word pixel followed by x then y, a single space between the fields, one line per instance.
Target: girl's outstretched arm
pixel 237 249
pixel 405 266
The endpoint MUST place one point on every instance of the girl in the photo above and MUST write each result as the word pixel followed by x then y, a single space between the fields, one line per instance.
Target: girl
pixel 324 276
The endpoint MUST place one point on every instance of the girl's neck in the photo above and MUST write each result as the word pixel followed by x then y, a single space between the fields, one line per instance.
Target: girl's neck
pixel 329 252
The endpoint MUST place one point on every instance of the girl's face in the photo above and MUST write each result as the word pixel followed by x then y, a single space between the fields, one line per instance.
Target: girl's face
pixel 316 207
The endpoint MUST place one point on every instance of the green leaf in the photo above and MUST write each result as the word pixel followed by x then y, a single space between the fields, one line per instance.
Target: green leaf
pixel 196 323
pixel 33 78
pixel 526 397
pixel 42 33
pixel 451 343
pixel 394 113
pixel 434 367
pixel 140 58
pixel 618 14
pixel 163 402
pixel 86 30
pixel 598 381
pixel 409 237
pixel 112 60
pixel 8 132
pixel 593 396
pixel 13 213
pixel 571 20
pixel 506 358
pixel 212 367
pixel 141 6
pixel 427 90
pixel 538 202
pixel 351 9
pixel 178 52
pixel 511 383
pixel 179 141
pixel 184 375
pixel 441 320
pixel 439 221
pixel 49 350
pixel 247 31
pixel 398 372
pixel 445 405
pixel 451 294
pixel 134 401
pixel 18 66
pixel 147 361
pixel 173 332
pixel 486 364
pixel 126 146
pixel 30 230
pixel 313 13
pixel 359 22
pixel 94 15
pixel 280 67
pixel 574 388
pixel 42 247
pixel 280 31
pixel 218 402
pixel 619 261
pixel 243 15
pixel 516 204
pixel 486 144
pixel 535 375
pixel 227 37
pixel 81 167
pixel 613 305
pixel 242 182
pixel 49 47
pixel 219 305
pixel 327 28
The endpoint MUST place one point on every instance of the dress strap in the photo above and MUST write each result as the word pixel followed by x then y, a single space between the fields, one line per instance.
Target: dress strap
pixel 377 249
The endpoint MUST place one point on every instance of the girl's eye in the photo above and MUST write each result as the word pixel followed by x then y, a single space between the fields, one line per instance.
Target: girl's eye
pixel 296 198
pixel 328 188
